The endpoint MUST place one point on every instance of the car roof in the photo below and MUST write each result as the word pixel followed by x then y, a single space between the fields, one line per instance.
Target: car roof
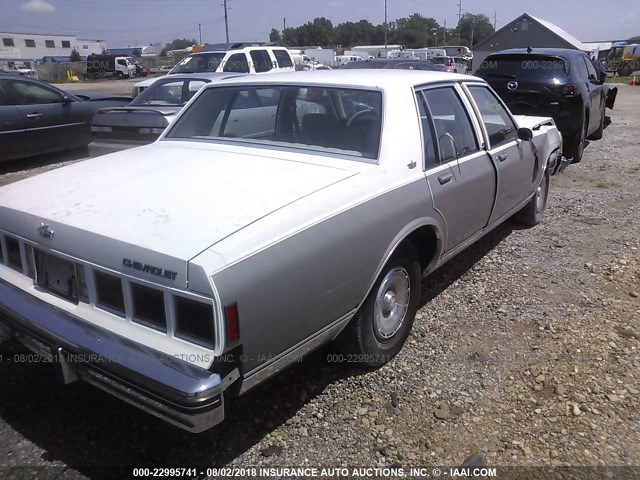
pixel 558 52
pixel 195 75
pixel 356 78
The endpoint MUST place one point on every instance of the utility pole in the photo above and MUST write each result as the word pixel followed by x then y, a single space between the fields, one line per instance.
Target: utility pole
pixel 459 18
pixel 200 33
pixel 284 27
pixel 495 19
pixel 444 35
pixel 385 27
pixel 226 20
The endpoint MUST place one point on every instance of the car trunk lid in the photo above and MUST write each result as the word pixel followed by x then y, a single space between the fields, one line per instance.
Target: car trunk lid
pixel 158 205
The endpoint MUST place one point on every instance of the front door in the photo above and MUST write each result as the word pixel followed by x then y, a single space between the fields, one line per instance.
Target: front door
pixel 517 172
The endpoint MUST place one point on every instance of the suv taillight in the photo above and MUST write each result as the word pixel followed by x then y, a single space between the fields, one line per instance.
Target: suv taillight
pixel 450 63
pixel 568 90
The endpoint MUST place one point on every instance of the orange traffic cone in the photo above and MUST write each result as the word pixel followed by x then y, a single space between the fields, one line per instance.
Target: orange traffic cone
pixel 633 82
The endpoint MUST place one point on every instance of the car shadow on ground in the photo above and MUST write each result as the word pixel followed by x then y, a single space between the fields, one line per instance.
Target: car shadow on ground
pixel 82 427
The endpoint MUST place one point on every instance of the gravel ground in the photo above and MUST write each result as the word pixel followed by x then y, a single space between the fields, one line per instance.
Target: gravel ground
pixel 526 349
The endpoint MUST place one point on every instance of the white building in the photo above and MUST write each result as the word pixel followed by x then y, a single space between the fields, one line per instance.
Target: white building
pixel 32 47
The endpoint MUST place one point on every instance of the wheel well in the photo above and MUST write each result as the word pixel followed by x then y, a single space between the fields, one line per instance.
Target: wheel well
pixel 425 242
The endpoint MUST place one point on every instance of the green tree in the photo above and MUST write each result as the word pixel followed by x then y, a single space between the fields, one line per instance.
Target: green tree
pixel 474 29
pixel 634 39
pixel 75 56
pixel 180 43
pixel 274 37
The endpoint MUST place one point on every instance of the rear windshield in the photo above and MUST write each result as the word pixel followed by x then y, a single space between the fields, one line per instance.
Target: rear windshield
pixel 169 92
pixel 517 66
pixel 440 60
pixel 331 120
pixel 203 62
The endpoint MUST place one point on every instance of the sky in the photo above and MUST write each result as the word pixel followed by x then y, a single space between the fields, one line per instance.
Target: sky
pixel 125 23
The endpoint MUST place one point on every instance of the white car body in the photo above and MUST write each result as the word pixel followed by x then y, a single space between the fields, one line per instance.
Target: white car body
pixel 278 240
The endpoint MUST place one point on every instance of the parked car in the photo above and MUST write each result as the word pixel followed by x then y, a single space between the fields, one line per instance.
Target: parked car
pixel 559 83
pixel 37 118
pixel 145 118
pixel 395 63
pixel 185 272
pixel 236 58
pixel 451 64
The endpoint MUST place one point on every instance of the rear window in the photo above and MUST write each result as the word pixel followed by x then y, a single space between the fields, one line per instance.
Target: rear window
pixel 283 58
pixel 169 92
pixel 440 60
pixel 331 120
pixel 517 66
pixel 203 62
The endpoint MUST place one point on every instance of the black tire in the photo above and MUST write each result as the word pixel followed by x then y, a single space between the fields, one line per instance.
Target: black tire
pixel 533 211
pixel 577 144
pixel 597 135
pixel 119 75
pixel 625 70
pixel 361 339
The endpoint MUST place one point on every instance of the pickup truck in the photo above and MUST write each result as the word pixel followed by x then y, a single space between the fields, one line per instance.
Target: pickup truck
pixel 274 215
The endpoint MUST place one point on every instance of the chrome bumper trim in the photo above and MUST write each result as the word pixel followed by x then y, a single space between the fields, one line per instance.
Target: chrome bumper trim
pixel 176 391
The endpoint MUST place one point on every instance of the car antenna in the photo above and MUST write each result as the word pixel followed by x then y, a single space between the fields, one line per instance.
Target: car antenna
pixel 529 49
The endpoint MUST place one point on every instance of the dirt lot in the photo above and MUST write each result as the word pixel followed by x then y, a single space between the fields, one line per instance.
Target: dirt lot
pixel 527 348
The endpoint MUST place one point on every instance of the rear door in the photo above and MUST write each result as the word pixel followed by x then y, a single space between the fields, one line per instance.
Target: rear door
pixel 581 74
pixel 461 176
pixel 516 170
pixel 12 132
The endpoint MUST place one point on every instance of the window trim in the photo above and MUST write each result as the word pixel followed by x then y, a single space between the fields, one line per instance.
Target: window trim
pixel 8 40
pixel 53 44
pixel 478 130
pixel 62 42
pixel 26 43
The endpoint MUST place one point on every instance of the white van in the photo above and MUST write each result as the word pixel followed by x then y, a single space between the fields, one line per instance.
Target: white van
pixel 235 59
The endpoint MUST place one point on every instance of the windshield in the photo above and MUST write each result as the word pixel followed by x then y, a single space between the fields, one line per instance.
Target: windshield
pixel 334 120
pixel 170 92
pixel 522 66
pixel 203 62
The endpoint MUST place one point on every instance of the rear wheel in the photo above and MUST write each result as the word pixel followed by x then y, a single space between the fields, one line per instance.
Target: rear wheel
pixel 382 325
pixel 577 144
pixel 119 75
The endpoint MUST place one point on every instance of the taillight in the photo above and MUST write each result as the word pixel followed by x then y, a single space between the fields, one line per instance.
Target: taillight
pixel 148 307
pixel 568 90
pixel 109 293
pixel 194 321
pixel 450 63
pixel 232 322
pixel 13 253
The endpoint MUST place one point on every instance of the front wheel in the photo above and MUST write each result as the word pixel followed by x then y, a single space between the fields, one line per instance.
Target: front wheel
pixel 383 323
pixel 533 211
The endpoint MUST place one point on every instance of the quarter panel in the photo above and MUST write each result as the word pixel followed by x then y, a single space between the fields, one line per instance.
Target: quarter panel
pixel 294 288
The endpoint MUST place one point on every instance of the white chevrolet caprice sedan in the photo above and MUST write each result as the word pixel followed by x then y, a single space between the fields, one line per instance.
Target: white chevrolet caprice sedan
pixel 276 214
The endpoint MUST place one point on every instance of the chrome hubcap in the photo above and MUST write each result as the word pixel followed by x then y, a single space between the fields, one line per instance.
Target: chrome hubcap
pixel 392 303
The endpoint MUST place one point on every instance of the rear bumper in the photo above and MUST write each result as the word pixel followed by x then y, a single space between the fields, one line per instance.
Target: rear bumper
pixel 169 388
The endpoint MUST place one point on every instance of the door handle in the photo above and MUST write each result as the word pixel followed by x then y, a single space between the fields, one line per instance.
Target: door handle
pixel 502 157
pixel 444 179
pixel 34 115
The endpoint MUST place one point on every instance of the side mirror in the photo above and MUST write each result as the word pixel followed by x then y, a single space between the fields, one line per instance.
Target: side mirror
pixel 525 134
pixel 66 99
pixel 603 76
